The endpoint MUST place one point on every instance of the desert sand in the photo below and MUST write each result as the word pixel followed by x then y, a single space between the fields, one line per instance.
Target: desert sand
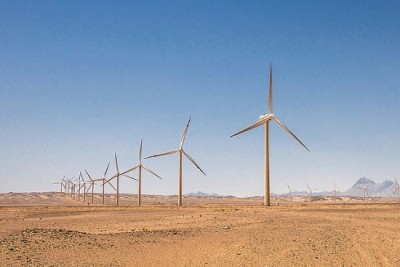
pixel 46 229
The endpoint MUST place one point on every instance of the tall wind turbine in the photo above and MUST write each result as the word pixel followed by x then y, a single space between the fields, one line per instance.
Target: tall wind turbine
pixel 92 183
pixel 74 184
pixel 83 184
pixel 290 192
pixel 365 191
pixel 116 176
pixel 335 190
pixel 61 186
pixel 80 178
pixel 311 190
pixel 67 185
pixel 139 167
pixel 181 152
pixel 103 180
pixel 264 120
pixel 71 186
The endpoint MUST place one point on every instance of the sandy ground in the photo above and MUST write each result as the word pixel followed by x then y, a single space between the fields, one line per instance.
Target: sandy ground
pixel 50 230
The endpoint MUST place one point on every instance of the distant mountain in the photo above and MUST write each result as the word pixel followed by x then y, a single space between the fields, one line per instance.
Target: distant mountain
pixel 384 189
pixel 202 194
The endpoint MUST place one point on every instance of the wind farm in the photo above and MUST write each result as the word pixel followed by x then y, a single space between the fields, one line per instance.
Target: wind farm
pixel 91 211
pixel 137 133
pixel 160 219
pixel 78 213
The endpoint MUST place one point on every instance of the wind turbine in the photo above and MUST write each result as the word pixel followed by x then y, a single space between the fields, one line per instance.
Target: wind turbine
pixel 335 190
pixel 311 190
pixel 71 186
pixel 74 184
pixel 397 189
pixel 140 166
pixel 365 191
pixel 103 180
pixel 84 189
pixel 290 192
pixel 181 152
pixel 264 120
pixel 116 176
pixel 91 184
pixel 61 186
pixel 67 185
pixel 80 177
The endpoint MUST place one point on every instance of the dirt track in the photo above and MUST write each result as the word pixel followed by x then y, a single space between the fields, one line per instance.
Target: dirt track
pixel 212 235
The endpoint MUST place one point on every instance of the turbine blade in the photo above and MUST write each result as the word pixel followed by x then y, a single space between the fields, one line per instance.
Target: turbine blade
pixel 88 175
pixel 105 173
pixel 150 171
pixel 397 189
pixel 140 151
pixel 185 132
pixel 192 160
pixel 396 181
pixel 130 177
pixel 258 123
pixel 131 169
pixel 116 162
pixel 308 187
pixel 108 181
pixel 289 132
pixel 163 154
pixel 270 110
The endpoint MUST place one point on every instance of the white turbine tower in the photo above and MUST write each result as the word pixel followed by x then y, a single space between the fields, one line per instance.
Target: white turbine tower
pixel 181 152
pixel 264 120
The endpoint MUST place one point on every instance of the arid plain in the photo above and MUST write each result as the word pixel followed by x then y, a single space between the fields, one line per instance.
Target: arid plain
pixel 46 229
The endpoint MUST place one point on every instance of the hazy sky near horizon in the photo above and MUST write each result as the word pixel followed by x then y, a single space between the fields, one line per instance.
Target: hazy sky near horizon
pixel 80 80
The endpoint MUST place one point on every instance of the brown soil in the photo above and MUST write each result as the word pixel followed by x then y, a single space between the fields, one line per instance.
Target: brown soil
pixel 50 230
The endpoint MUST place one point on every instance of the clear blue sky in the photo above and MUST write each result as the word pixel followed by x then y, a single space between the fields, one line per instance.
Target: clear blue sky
pixel 80 80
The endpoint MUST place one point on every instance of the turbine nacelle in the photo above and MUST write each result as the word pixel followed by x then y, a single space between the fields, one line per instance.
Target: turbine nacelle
pixel 264 116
